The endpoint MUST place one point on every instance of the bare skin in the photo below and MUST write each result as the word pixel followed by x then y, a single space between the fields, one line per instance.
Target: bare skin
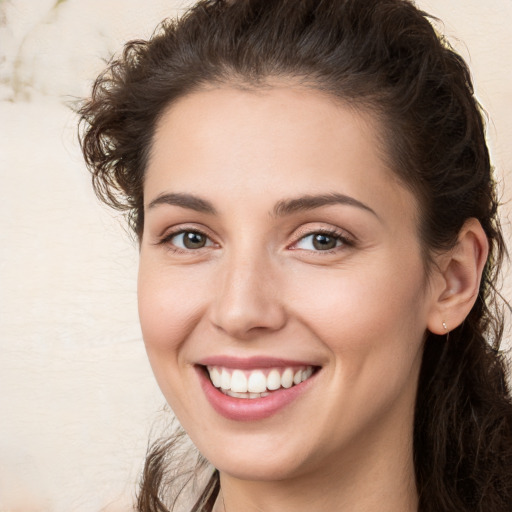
pixel 239 169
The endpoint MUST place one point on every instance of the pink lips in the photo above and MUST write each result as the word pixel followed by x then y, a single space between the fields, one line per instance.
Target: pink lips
pixel 240 409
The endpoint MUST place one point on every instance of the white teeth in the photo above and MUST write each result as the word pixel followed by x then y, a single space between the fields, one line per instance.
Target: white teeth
pixel 244 395
pixel 215 376
pixel 254 384
pixel 225 379
pixel 257 382
pixel 307 373
pixel 238 382
pixel 273 380
pixel 287 378
pixel 236 395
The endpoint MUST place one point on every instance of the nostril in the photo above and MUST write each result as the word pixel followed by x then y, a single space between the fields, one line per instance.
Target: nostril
pixel 246 320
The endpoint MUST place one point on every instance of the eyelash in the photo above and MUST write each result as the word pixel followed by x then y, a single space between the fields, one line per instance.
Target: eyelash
pixel 167 240
pixel 332 233
pixel 339 235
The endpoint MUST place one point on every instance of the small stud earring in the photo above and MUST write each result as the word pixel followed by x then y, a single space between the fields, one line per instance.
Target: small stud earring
pixel 445 326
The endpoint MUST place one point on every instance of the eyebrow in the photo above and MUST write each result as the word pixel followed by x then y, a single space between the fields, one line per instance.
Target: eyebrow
pixel 184 201
pixel 310 202
pixel 281 209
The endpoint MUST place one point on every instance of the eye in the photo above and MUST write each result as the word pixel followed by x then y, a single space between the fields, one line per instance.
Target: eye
pixel 188 240
pixel 321 241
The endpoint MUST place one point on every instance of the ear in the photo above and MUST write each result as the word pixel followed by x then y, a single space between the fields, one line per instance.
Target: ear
pixel 457 282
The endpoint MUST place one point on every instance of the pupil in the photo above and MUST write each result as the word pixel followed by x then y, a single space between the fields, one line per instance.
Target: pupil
pixel 193 240
pixel 324 242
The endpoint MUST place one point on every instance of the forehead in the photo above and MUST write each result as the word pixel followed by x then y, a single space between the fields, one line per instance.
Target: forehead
pixel 272 141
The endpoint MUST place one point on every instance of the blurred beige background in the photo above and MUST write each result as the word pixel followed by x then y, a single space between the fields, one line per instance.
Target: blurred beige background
pixel 77 398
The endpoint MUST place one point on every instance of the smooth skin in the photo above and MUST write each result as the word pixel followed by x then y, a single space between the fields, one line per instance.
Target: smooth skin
pixel 230 265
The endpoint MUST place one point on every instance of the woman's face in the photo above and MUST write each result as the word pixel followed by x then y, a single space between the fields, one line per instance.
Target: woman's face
pixel 280 254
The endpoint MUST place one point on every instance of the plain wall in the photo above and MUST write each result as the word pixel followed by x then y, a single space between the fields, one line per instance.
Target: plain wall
pixel 77 397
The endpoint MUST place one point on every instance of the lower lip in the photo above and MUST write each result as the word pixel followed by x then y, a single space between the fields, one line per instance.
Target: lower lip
pixel 250 409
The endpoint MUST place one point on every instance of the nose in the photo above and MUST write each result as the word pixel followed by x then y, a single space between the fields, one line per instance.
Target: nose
pixel 248 302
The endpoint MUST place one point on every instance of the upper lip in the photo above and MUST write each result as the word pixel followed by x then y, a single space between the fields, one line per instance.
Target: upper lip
pixel 249 363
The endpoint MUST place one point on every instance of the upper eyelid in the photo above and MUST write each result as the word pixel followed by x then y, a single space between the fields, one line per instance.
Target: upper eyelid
pixel 345 242
pixel 176 230
pixel 165 240
pixel 299 233
pixel 303 232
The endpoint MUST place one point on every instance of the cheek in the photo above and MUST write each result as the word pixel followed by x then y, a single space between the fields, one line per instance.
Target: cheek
pixel 169 305
pixel 364 311
pixel 169 309
pixel 373 324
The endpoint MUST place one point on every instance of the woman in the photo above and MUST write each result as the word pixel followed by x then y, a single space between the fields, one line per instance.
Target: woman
pixel 319 246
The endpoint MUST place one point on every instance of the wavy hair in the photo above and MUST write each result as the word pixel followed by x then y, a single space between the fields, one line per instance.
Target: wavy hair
pixel 385 57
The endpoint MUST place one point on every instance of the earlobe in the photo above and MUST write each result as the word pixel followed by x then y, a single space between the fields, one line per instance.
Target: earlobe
pixel 458 283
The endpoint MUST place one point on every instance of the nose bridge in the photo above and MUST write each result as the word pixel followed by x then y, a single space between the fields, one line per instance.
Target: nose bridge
pixel 248 299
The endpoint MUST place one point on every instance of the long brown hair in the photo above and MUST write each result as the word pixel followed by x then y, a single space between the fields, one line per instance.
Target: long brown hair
pixel 385 57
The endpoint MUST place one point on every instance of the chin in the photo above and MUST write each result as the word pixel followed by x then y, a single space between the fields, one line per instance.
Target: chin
pixel 257 468
pixel 256 457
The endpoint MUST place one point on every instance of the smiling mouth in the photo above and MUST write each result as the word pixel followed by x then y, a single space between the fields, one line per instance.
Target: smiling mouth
pixel 257 383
